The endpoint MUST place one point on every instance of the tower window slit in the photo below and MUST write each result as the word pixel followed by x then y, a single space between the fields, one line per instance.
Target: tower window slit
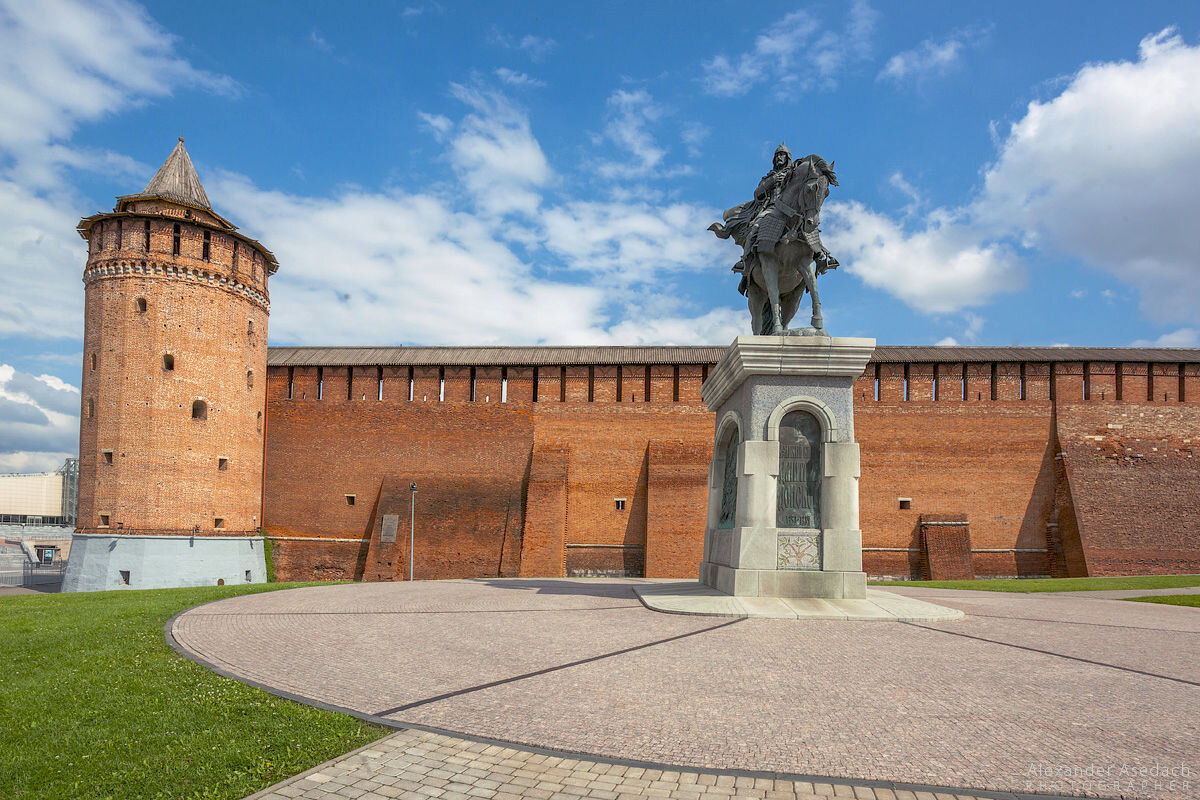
pixel 504 384
pixel 249 379
pixel 410 384
pixel 1023 395
pixel 320 383
pixel 291 381
pixel 120 233
pixel 646 390
pixel 591 383
pixel 207 249
pixel 1149 381
pixel 877 383
pixel 995 378
pixel 675 378
pixel 1182 384
pixel 93 362
pixel 349 383
pixel 472 379
pixel 175 235
pixel 441 384
pixel 535 384
pixel 199 410
pixel 379 376
pixel 146 237
pixel 936 368
pixel 562 384
pixel 906 383
pixel 964 382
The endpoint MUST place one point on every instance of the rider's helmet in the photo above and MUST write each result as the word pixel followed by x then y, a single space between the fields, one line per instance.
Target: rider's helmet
pixel 783 148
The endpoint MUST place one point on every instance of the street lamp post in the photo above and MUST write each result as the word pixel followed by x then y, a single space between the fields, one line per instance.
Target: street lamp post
pixel 412 520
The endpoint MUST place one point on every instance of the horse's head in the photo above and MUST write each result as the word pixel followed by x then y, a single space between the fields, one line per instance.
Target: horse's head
pixel 808 185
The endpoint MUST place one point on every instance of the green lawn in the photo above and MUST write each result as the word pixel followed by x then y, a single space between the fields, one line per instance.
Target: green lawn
pixel 95 704
pixel 1170 599
pixel 1057 584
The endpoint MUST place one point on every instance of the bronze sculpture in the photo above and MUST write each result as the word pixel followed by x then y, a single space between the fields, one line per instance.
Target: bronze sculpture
pixel 781 242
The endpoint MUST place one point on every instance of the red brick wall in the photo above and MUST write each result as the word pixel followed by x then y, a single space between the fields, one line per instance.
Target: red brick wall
pixel 165 475
pixel 989 461
pixel 946 547
pixel 992 461
pixel 1135 483
pixel 320 451
pixel 677 476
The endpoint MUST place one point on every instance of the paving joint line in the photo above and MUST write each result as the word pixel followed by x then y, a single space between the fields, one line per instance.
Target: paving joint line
pixel 1184 681
pixel 401 725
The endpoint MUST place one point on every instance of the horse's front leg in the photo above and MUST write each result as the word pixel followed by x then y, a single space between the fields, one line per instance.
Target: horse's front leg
pixel 770 273
pixel 756 298
pixel 810 282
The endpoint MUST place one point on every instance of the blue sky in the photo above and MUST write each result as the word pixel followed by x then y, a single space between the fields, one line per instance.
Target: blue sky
pixel 442 173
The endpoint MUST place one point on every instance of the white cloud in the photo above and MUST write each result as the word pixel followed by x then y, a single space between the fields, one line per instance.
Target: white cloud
pixel 64 63
pixel 380 268
pixel 319 42
pixel 518 79
pixel 537 48
pixel 944 266
pixel 494 152
pixel 948 341
pixel 778 52
pixel 633 242
pixel 39 421
pixel 694 135
pixel 629 116
pixel 1104 172
pixel 1184 337
pixel 1107 172
pixel 926 59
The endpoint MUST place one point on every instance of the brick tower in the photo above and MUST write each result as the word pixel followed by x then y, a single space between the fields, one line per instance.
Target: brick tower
pixel 173 392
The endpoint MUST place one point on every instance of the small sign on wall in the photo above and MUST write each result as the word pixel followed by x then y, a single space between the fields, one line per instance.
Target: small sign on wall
pixel 390 523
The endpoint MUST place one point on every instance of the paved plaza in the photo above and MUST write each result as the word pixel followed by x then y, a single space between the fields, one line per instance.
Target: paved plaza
pixel 1061 693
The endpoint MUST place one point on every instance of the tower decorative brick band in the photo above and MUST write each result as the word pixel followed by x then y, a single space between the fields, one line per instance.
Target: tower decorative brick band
pixel 172 422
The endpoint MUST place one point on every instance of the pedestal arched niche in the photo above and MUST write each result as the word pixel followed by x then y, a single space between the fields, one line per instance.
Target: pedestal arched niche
pixel 798 497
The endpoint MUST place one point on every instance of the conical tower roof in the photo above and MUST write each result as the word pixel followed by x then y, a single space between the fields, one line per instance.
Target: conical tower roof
pixel 176 180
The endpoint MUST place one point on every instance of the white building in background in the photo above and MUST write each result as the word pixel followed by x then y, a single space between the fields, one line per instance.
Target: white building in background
pixel 41 498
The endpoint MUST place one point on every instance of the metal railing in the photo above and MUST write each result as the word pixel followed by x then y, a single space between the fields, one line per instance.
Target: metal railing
pixel 32 575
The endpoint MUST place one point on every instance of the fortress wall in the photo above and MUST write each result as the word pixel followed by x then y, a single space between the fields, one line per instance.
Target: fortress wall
pixel 320 451
pixel 992 466
pixel 1134 476
pixel 569 461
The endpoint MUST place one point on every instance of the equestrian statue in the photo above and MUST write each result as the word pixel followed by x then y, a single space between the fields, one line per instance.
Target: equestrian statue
pixel 778 231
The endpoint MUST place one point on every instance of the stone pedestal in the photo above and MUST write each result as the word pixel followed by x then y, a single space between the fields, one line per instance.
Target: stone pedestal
pixel 785 424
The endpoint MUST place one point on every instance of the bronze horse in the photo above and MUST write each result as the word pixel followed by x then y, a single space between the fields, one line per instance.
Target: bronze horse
pixel 777 274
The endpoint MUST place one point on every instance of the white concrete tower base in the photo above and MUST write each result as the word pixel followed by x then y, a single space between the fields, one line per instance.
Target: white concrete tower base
pixel 114 561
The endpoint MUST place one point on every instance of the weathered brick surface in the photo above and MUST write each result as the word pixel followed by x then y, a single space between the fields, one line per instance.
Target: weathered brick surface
pixel 207 314
pixel 1135 485
pixel 568 462
pixel 946 547
pixel 678 475
pixel 468 526
pixel 989 461
pixel 468 460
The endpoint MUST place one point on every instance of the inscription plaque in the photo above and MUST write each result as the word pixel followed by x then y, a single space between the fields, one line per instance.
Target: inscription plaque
pixel 799 472
pixel 390 523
